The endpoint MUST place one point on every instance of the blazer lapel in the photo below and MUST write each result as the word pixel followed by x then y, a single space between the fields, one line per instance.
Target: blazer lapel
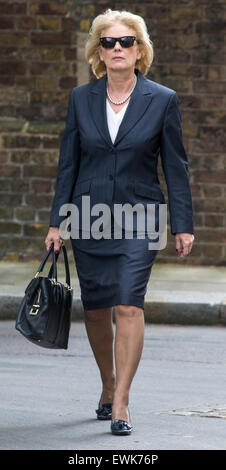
pixel 97 106
pixel 139 101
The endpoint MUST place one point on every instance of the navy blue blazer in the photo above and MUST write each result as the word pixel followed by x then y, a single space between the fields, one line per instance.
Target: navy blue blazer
pixel 126 171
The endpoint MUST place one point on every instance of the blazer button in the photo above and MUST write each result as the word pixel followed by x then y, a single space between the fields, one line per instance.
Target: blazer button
pixel 110 177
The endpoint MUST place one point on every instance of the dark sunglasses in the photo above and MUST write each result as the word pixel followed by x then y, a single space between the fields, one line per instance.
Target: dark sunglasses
pixel 124 41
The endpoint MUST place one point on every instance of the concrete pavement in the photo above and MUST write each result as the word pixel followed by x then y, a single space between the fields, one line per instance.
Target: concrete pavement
pixel 177 398
pixel 176 293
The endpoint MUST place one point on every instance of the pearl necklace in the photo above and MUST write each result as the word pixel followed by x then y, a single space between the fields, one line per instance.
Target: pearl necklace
pixel 123 101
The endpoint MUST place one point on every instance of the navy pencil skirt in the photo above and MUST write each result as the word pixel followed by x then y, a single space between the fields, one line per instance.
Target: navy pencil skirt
pixel 113 271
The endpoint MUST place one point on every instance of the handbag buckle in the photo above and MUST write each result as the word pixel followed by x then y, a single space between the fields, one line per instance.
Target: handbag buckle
pixel 35 307
pixel 33 310
pixel 68 287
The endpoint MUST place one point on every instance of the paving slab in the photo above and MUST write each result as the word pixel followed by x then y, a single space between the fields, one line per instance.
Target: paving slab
pixel 48 398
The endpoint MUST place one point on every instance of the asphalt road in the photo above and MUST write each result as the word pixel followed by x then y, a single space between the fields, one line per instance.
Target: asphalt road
pixel 177 399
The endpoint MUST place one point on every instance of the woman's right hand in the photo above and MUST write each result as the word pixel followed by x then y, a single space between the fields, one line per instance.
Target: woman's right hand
pixel 53 236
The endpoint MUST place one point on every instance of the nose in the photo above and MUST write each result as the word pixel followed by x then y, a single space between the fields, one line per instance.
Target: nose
pixel 117 45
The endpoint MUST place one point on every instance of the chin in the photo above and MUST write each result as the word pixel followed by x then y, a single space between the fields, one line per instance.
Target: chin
pixel 118 66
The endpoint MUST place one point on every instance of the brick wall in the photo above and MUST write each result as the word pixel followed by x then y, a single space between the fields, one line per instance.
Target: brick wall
pixel 42 58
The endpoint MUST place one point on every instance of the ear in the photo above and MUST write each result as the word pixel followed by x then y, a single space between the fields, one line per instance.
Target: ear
pixel 139 54
pixel 100 55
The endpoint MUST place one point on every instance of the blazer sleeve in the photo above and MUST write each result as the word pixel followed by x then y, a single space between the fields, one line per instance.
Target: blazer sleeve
pixel 68 164
pixel 175 168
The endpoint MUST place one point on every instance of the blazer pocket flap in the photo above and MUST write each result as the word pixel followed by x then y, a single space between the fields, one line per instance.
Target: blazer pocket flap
pixel 144 190
pixel 81 188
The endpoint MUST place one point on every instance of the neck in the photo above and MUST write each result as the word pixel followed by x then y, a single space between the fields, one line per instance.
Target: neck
pixel 118 83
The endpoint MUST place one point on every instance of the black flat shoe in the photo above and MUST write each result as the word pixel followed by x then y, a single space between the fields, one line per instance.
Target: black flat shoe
pixel 121 427
pixel 104 411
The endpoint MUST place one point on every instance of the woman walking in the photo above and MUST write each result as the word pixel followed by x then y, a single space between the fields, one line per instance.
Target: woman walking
pixel 116 127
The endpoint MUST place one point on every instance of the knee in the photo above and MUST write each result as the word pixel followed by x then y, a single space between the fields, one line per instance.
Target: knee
pixel 96 315
pixel 128 311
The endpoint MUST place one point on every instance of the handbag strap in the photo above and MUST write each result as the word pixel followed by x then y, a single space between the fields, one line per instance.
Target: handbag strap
pixel 53 269
pixel 40 269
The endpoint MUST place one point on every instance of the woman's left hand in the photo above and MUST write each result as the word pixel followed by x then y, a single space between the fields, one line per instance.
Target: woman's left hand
pixel 184 242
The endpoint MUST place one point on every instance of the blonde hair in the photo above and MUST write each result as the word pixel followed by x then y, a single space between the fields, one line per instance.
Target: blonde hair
pixel 107 19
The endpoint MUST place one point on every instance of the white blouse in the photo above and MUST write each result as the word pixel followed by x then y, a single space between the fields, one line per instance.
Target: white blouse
pixel 114 119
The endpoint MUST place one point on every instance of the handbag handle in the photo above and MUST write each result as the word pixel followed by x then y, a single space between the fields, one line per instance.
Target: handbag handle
pixel 53 269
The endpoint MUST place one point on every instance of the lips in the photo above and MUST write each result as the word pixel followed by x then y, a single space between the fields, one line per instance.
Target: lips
pixel 115 58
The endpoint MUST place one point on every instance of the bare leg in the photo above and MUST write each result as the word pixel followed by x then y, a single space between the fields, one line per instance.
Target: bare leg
pixel 99 327
pixel 129 342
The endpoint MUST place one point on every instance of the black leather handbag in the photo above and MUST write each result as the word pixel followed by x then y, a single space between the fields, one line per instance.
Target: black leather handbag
pixel 44 315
